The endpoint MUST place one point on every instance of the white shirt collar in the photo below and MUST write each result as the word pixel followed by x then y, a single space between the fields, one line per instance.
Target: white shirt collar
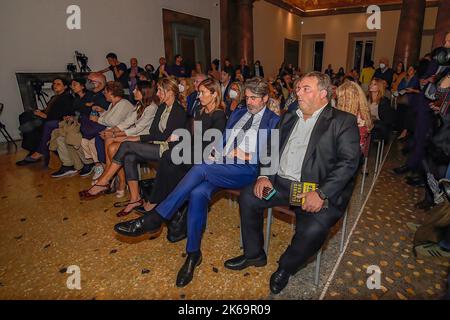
pixel 315 115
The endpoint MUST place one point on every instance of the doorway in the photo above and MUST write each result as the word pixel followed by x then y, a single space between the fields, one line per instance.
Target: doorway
pixel 361 50
pixel 189 36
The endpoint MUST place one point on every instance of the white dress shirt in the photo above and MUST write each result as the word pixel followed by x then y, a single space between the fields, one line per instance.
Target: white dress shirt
pixel 291 161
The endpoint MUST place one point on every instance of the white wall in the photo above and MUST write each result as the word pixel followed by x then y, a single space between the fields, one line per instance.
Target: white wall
pixel 34 37
pixel 338 27
pixel 271 25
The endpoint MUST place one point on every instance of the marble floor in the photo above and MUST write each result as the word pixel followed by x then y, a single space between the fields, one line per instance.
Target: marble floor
pixel 46 230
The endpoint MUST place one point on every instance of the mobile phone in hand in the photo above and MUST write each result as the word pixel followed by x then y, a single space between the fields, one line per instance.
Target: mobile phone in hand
pixel 268 193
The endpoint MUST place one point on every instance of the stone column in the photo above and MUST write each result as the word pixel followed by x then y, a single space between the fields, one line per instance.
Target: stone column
pixel 409 35
pixel 245 38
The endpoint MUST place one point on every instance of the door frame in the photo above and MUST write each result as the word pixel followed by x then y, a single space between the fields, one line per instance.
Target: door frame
pixel 352 36
pixel 173 17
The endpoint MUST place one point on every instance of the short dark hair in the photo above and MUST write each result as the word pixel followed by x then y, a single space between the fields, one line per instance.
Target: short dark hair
pixel 177 56
pixel 111 55
pixel 63 80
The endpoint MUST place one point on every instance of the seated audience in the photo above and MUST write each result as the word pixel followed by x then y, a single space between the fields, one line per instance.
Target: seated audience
pixel 150 147
pixel 383 115
pixel 36 126
pixel 351 98
pixel 119 109
pixel 330 161
pixel 203 180
pixel 136 124
pixel 235 97
pixel 193 101
pixel 210 116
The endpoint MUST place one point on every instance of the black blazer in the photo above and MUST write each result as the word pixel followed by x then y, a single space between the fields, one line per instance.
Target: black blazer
pixel 332 156
pixel 177 119
pixel 385 112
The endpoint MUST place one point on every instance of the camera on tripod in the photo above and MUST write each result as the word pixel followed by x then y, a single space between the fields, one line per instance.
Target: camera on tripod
pixel 82 61
pixel 37 86
pixel 72 68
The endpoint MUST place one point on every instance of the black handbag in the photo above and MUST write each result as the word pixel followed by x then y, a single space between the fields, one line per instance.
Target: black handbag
pixel 146 188
pixel 177 227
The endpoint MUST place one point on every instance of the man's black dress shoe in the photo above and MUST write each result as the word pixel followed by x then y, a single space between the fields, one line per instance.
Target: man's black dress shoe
pixel 402 170
pixel 150 223
pixel 279 280
pixel 424 205
pixel 242 262
pixel 415 181
pixel 28 160
pixel 186 272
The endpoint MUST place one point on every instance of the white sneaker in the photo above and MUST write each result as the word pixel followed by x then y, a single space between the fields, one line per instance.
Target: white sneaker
pixel 98 171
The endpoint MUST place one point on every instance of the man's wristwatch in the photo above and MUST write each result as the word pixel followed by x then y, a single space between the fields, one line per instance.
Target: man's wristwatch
pixel 322 195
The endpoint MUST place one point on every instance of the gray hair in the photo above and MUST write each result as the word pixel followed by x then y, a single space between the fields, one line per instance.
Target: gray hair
pixel 323 82
pixel 258 86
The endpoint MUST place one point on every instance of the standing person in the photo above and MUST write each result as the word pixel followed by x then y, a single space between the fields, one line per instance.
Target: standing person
pixel 177 69
pixel 214 70
pixel 225 80
pixel 119 70
pixel 205 179
pixel 367 75
pixel 245 70
pixel 228 68
pixel 133 73
pixel 258 70
pixel 161 71
pixel 329 71
pixel 318 144
pixel 384 72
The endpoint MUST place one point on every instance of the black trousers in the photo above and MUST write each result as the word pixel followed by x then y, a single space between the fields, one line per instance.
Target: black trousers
pixel 130 154
pixel 167 177
pixel 310 233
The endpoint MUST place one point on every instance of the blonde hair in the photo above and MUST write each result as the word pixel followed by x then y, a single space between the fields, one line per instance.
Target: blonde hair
pixel 351 98
pixel 170 84
pixel 381 90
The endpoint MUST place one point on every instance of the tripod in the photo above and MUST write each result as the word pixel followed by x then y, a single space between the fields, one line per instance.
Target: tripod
pixel 41 98
pixel 5 132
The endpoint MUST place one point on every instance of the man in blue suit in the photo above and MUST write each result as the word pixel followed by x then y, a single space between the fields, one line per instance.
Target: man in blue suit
pixel 193 100
pixel 203 180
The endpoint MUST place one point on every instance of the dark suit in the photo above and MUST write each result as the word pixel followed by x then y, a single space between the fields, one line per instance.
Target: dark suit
pixel 331 160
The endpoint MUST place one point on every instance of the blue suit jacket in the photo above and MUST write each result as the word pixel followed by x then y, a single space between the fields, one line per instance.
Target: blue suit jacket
pixel 269 121
pixel 190 103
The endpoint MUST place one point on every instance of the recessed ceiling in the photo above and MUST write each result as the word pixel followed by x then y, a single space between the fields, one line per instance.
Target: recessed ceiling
pixel 310 8
pixel 311 5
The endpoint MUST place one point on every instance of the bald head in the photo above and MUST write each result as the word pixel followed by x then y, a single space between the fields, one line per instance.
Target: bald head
pixel 99 81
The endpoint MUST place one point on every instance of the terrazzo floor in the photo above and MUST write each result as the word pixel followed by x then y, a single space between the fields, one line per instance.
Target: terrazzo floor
pixel 45 229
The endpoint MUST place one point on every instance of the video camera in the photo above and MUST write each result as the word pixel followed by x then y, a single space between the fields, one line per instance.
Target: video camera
pixel 82 61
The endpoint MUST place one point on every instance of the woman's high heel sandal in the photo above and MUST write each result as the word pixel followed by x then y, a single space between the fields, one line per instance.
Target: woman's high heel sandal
pixel 123 213
pixel 85 195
